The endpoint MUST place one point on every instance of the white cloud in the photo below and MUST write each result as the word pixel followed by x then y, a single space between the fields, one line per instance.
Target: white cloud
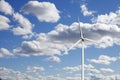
pixel 5 7
pixel 105 70
pixel 104 59
pixel 77 68
pixel 91 68
pixel 37 48
pixel 10 74
pixel 111 18
pixel 64 36
pixel 54 59
pixel 24 28
pixel 4 52
pixel 105 42
pixel 35 69
pixel 4 23
pixel 104 77
pixel 85 10
pixel 44 11
pixel 73 78
pixel 95 71
pixel 53 77
pixel 72 69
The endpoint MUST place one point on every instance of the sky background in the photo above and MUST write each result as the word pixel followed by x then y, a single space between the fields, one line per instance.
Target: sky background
pixel 35 33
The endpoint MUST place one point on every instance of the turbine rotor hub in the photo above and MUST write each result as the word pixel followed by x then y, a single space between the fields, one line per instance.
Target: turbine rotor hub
pixel 82 39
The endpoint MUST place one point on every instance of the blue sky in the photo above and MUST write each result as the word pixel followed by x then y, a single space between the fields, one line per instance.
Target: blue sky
pixel 35 34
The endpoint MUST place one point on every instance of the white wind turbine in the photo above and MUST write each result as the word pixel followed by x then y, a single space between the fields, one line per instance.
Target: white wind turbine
pixel 82 41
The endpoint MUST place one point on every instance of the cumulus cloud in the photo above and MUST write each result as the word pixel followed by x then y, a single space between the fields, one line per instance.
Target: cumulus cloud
pixel 92 69
pixel 44 11
pixel 54 59
pixel 111 18
pixel 4 23
pixel 104 77
pixel 77 68
pixel 37 48
pixel 25 26
pixel 89 69
pixel 105 70
pixel 35 69
pixel 72 69
pixel 85 11
pixel 103 59
pixel 4 52
pixel 64 36
pixel 10 74
pixel 53 77
pixel 5 7
pixel 73 78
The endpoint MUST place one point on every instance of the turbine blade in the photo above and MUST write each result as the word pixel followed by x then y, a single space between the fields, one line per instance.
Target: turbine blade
pixel 90 40
pixel 81 33
pixel 66 52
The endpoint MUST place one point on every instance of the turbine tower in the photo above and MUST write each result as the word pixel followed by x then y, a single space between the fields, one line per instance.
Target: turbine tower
pixel 82 40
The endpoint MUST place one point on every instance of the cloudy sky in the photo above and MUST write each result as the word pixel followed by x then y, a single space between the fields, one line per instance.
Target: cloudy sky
pixel 35 34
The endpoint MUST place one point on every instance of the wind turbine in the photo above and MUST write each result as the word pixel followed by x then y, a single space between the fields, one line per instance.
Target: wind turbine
pixel 82 41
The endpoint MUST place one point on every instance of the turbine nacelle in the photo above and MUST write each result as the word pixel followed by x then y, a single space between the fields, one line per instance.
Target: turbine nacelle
pixel 82 39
